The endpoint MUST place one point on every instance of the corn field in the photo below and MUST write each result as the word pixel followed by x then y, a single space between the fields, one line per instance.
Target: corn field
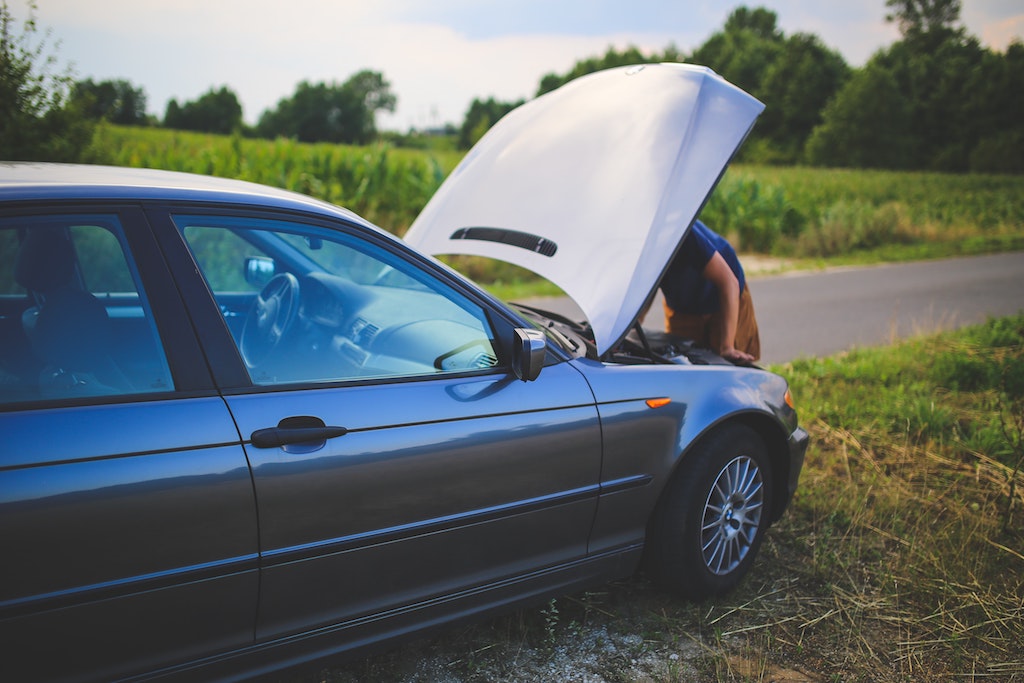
pixel 388 186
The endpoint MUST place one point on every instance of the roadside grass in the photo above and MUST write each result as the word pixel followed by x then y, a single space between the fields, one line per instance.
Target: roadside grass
pixel 901 557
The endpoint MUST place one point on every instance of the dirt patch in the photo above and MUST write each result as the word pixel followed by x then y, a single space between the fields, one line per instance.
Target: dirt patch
pixel 760 264
pixel 628 631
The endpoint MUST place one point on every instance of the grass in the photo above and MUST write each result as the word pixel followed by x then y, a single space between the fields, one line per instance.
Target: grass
pixel 901 557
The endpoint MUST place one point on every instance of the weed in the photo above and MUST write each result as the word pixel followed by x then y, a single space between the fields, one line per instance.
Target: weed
pixel 551 619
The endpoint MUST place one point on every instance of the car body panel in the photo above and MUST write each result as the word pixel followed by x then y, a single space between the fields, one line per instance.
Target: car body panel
pixel 158 520
pixel 643 445
pixel 594 185
pixel 32 182
pixel 478 477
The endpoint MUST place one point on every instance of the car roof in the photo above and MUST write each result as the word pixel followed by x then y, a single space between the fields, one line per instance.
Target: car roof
pixel 30 180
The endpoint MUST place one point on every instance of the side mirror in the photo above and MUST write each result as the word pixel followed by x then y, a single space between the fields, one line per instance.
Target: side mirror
pixel 259 270
pixel 529 350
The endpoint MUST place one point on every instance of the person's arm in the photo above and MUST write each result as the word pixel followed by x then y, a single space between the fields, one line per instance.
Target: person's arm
pixel 718 272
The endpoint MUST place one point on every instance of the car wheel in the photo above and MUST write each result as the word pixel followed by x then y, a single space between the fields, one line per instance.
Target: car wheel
pixel 712 516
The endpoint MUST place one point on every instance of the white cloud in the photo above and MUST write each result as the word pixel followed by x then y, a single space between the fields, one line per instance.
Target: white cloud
pixel 999 34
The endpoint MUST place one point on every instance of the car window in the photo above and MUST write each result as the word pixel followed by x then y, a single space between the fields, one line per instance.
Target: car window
pixel 219 252
pixel 74 320
pixel 308 304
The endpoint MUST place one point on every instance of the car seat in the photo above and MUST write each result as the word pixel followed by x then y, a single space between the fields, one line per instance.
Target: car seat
pixel 68 329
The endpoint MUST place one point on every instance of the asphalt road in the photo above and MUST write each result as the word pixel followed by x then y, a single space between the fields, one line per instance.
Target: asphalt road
pixel 821 313
pixel 824 312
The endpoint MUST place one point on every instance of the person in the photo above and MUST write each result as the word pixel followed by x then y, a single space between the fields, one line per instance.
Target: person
pixel 707 298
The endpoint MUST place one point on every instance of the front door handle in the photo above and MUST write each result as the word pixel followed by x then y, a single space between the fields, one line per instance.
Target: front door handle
pixel 296 430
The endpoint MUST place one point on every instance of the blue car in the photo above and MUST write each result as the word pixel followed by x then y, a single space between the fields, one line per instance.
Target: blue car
pixel 243 429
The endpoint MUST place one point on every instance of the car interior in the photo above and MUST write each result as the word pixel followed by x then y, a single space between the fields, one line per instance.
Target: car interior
pixel 60 340
pixel 310 309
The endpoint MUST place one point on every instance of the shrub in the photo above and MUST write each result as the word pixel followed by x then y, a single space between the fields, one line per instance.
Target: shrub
pixel 850 225
pixel 38 119
pixel 755 214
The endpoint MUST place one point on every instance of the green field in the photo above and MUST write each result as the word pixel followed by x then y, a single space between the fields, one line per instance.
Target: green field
pixel 386 185
pixel 809 216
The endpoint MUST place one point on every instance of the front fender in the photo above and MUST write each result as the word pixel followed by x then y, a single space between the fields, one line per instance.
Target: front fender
pixel 643 445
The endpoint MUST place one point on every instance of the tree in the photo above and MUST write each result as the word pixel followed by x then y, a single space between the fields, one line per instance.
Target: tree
pixel 866 125
pixel 115 101
pixel 367 93
pixel 936 65
pixel 743 51
pixel 917 18
pixel 216 111
pixel 796 86
pixel 38 120
pixel 612 58
pixel 481 116
pixel 995 105
pixel 322 112
pixel 793 76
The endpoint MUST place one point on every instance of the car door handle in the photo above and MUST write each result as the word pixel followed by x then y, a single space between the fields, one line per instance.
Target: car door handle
pixel 295 430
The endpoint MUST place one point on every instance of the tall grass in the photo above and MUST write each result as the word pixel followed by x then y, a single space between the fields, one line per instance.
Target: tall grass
pixel 386 185
pixel 808 212
pixel 910 509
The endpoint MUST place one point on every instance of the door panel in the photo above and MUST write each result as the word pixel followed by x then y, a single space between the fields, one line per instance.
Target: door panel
pixel 127 516
pixel 440 471
pixel 128 557
pixel 439 485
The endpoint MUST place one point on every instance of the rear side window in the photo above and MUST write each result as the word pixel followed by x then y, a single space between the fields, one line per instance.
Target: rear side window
pixel 74 319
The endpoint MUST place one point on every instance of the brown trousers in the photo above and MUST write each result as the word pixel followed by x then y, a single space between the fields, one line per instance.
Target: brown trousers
pixel 706 330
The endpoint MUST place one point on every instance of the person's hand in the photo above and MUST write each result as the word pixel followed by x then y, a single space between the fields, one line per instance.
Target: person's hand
pixel 736 356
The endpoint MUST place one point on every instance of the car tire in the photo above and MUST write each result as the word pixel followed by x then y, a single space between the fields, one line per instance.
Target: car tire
pixel 712 516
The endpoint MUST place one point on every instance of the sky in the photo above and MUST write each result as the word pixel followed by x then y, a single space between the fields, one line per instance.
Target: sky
pixel 438 55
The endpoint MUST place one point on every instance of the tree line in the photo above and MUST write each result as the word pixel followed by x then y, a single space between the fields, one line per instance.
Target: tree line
pixel 316 112
pixel 934 100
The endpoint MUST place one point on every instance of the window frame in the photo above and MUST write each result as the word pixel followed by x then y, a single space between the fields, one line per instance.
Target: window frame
pixel 174 334
pixel 226 361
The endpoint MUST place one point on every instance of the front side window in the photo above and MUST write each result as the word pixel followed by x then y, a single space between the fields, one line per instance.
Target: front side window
pixel 307 304
pixel 74 319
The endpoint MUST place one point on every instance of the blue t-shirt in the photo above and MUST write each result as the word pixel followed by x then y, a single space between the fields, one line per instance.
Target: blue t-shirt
pixel 684 286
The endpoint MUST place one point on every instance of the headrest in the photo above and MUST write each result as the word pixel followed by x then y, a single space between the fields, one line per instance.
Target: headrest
pixel 46 260
pixel 73 330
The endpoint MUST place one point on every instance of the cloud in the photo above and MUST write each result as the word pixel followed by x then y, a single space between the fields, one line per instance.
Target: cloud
pixel 999 34
pixel 440 70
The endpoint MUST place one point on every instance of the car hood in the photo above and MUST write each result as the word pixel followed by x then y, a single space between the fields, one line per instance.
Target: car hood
pixel 594 185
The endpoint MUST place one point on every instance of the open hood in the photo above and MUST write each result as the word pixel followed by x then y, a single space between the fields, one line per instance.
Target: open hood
pixel 594 185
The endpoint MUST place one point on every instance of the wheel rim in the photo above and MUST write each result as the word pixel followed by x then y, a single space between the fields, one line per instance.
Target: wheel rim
pixel 732 515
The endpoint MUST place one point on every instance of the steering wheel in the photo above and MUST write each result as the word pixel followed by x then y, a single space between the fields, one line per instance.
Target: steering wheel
pixel 270 319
